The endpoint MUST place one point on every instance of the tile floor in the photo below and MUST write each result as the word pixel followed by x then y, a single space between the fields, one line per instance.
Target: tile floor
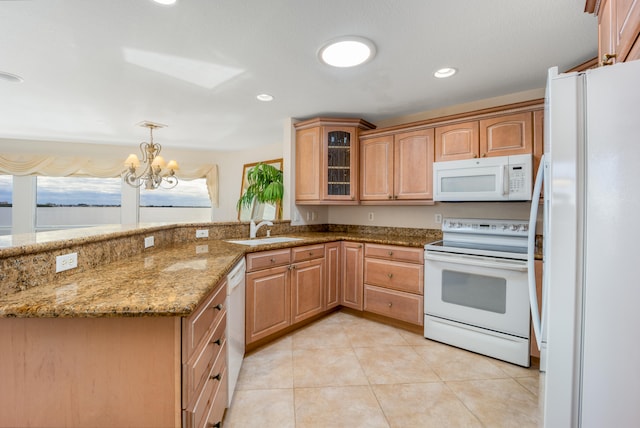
pixel 346 371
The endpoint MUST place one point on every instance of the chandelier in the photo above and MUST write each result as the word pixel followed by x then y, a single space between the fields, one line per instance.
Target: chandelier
pixel 157 173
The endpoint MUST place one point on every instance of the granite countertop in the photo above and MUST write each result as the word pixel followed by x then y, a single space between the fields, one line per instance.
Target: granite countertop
pixel 169 281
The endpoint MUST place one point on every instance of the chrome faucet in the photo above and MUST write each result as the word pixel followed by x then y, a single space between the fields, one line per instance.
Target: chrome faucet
pixel 253 229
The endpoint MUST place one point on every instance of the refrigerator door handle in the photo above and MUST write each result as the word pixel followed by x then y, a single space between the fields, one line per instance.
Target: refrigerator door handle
pixel 533 218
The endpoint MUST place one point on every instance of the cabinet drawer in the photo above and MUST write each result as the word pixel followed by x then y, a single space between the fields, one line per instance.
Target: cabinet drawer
pixel 394 304
pixel 200 323
pixel 268 259
pixel 397 275
pixel 195 370
pixel 300 254
pixel 394 252
pixel 197 413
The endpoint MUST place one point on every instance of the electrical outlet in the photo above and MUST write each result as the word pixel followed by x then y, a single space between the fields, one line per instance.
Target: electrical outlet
pixel 308 215
pixel 438 218
pixel 148 242
pixel 66 262
pixel 371 216
pixel 314 215
pixel 202 233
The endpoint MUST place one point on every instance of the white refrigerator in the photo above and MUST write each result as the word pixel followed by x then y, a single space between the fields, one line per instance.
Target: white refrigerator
pixel 592 249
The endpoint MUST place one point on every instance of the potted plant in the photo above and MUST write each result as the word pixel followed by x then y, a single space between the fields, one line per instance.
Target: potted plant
pixel 265 186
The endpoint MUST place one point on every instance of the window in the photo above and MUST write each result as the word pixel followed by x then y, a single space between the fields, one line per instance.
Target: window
pixel 64 202
pixel 187 202
pixel 6 202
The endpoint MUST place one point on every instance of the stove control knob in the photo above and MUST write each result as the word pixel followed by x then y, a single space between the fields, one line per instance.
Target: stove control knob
pixel 514 227
pixel 525 227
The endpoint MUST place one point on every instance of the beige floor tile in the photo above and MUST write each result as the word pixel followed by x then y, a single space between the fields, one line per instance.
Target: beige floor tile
pixel 345 406
pixel 327 367
pixel 321 335
pixel 261 408
pixel 531 383
pixel 394 364
pixel 498 402
pixel 414 339
pixel 372 334
pixel 514 370
pixel 267 368
pixel 451 363
pixel 423 405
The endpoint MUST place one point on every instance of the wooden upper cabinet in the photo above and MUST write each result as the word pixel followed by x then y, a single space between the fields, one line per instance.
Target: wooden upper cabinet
pixel 376 169
pixel 308 156
pixel 327 160
pixel 413 165
pixel 397 167
pixel 506 135
pixel 455 142
pixel 618 29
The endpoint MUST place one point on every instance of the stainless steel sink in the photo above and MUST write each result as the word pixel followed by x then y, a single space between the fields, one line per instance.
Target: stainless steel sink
pixel 263 241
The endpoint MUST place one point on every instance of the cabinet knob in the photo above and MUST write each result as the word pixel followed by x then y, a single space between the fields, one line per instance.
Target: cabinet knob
pixel 607 59
pixel 475 155
pixel 218 306
pixel 311 253
pixel 484 155
pixel 353 198
pixel 216 377
pixel 216 425
pixel 390 197
pixel 217 342
pixel 272 260
pixel 390 275
pixel 391 253
pixel 390 304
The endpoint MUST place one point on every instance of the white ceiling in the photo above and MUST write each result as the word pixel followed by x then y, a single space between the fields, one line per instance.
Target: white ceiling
pixel 93 69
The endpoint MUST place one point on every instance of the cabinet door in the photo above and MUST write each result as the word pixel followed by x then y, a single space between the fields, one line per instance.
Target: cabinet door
pixel 352 275
pixel 455 142
pixel 606 33
pixel 332 274
pixel 627 25
pixel 308 156
pixel 506 135
pixel 413 165
pixel 376 169
pixel 307 291
pixel 340 180
pixel 268 299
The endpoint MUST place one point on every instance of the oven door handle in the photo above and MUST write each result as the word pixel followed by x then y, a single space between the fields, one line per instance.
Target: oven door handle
pixel 486 262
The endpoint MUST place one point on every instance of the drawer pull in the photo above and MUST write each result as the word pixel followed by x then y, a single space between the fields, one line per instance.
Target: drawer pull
pixel 217 342
pixel 216 377
pixel 218 306
pixel 390 275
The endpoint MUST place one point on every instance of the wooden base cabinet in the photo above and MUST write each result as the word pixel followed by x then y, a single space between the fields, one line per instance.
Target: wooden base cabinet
pixel 332 258
pixel 394 282
pixel 280 296
pixel 115 371
pixel 351 294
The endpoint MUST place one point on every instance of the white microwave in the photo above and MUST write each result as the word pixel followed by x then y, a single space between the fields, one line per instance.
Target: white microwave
pixel 500 178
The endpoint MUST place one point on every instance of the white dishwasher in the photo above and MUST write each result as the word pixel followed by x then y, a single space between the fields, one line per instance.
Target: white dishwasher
pixel 235 323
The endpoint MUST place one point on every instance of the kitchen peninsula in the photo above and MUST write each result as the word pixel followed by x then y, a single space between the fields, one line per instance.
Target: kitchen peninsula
pixel 116 341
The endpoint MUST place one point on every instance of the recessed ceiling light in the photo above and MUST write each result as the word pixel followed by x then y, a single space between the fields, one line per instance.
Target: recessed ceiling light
pixel 13 78
pixel 265 97
pixel 165 2
pixel 347 51
pixel 445 72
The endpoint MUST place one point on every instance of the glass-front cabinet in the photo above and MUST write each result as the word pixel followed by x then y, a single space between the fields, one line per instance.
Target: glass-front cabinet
pixel 327 160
